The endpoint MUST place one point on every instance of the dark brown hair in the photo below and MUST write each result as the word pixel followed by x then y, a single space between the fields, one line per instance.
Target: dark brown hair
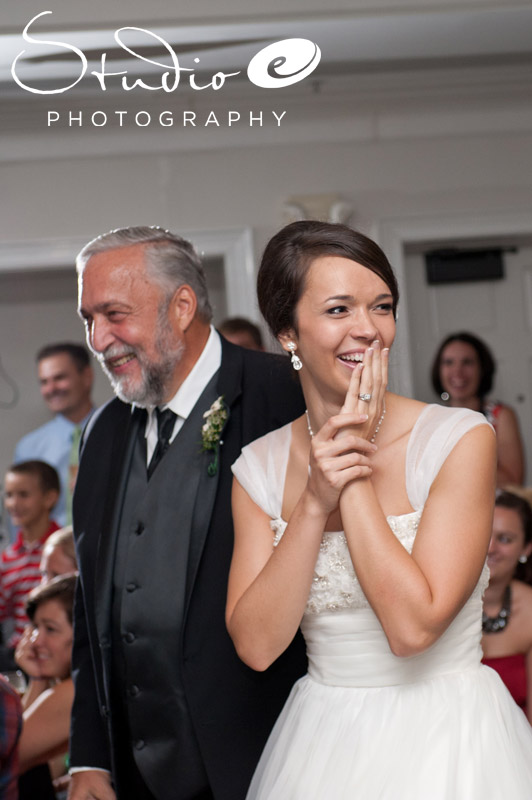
pixel 45 473
pixel 507 499
pixel 287 259
pixel 77 352
pixel 61 589
pixel 242 325
pixel 485 358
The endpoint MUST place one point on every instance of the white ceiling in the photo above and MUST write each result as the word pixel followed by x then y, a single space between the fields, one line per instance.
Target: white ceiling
pixel 383 42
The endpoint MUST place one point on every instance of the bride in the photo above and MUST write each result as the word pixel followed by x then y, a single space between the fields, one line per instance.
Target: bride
pixel 367 522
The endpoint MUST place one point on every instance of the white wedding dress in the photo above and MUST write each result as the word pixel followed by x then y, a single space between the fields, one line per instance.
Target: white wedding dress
pixel 363 723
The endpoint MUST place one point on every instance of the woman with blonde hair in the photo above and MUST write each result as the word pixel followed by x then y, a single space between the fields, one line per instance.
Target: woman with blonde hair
pixel 59 554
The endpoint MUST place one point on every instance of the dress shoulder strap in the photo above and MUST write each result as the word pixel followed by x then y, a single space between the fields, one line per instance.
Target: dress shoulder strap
pixel 434 435
pixel 261 469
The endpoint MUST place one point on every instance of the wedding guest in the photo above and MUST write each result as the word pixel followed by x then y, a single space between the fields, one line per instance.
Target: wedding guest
pixel 367 521
pixel 46 657
pixel 31 490
pixel 507 617
pixel 462 374
pixel 243 332
pixel 65 380
pixel 59 555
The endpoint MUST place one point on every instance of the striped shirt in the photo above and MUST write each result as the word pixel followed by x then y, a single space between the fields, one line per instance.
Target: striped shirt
pixel 19 574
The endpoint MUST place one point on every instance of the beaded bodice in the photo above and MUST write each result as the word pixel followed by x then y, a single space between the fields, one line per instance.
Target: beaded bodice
pixel 335 584
pixel 261 470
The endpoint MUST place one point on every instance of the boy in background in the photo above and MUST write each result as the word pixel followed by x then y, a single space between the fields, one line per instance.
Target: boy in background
pixel 31 491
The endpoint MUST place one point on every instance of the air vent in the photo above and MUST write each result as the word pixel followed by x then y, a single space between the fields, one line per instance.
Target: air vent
pixel 456 266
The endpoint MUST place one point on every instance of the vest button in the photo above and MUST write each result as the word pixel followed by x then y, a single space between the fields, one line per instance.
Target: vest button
pixel 129 637
pixel 140 744
pixel 140 528
pixel 133 690
pixel 131 587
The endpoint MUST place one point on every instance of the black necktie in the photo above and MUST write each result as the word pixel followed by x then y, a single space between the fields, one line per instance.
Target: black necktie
pixel 165 426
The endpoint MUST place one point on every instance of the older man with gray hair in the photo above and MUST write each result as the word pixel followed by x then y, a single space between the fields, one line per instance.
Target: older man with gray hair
pixel 163 707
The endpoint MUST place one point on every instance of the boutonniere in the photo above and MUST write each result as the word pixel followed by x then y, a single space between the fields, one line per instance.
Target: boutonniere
pixel 215 419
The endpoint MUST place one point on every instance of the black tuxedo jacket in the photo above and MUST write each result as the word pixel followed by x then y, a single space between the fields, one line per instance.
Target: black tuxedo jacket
pixel 232 707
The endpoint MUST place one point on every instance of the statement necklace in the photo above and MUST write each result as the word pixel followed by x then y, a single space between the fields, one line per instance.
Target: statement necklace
pixel 372 440
pixel 499 623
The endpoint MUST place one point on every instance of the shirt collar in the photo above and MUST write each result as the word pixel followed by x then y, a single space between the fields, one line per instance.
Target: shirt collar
pixel 68 422
pixel 20 545
pixel 197 379
pixel 199 376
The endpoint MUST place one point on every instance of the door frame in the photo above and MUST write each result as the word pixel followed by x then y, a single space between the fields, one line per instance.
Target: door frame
pixel 234 246
pixel 394 234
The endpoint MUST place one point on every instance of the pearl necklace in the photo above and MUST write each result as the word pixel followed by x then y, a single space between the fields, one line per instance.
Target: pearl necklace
pixel 372 440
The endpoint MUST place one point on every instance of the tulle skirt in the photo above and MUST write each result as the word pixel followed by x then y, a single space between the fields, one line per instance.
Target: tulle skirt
pixel 456 736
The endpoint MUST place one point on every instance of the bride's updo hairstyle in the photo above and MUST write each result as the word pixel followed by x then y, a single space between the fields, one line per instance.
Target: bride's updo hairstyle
pixel 289 255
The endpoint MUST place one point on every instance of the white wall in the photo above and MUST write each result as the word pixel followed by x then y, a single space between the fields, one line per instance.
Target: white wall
pixel 415 148
pixel 246 187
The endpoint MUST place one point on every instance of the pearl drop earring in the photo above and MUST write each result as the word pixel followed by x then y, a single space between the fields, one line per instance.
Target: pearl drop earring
pixel 296 361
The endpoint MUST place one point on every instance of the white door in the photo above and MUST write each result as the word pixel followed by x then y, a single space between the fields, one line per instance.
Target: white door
pixel 498 311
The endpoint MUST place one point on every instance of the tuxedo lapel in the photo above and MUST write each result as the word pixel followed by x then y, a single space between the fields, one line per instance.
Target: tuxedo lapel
pixel 230 374
pixel 228 386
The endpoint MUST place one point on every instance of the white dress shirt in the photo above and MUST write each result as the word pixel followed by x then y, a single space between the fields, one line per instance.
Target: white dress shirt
pixel 188 393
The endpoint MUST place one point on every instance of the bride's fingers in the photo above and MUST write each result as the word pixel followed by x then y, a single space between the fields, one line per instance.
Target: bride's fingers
pixel 384 368
pixel 339 479
pixel 342 420
pixel 340 463
pixel 351 401
pixel 346 444
pixel 367 379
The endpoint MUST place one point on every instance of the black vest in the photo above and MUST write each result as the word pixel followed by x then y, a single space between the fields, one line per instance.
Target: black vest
pixel 155 535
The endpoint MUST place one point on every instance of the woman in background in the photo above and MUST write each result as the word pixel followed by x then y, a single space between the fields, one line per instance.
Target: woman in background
pixel 462 374
pixel 46 657
pixel 507 617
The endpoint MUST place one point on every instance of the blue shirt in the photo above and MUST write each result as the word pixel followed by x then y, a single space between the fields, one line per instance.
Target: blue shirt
pixel 52 442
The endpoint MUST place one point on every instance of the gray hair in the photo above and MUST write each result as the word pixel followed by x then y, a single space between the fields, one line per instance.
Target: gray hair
pixel 171 260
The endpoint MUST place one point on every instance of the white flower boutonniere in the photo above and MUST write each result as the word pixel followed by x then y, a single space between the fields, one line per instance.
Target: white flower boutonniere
pixel 215 419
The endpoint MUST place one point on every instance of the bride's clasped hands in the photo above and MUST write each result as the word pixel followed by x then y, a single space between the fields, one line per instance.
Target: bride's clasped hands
pixel 341 450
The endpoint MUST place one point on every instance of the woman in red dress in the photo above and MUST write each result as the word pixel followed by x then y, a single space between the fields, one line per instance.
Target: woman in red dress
pixel 507 617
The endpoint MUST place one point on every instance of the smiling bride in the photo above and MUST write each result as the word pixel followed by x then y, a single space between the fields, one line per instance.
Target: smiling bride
pixel 366 522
